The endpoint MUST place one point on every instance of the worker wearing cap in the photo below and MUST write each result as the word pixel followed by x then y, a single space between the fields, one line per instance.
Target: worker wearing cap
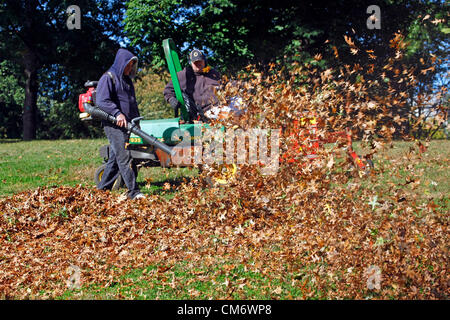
pixel 197 80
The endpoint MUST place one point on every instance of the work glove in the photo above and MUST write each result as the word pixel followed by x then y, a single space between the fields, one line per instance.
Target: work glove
pixel 175 105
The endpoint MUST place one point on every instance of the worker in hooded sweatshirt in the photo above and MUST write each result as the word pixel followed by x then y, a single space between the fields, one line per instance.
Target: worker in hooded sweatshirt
pixel 115 95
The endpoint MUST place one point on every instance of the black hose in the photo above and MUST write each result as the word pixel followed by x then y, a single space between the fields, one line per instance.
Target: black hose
pixel 99 114
pixel 193 110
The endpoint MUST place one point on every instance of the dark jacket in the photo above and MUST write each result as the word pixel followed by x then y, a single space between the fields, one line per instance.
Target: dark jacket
pixel 200 86
pixel 118 96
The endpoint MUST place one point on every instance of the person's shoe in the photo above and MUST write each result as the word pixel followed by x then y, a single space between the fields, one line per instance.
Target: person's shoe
pixel 139 196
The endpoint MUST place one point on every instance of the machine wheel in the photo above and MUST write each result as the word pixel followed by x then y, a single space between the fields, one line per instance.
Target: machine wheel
pixel 119 183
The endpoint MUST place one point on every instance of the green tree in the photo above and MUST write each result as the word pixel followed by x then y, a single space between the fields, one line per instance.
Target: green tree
pixel 238 32
pixel 38 39
pixel 149 88
pixel 12 96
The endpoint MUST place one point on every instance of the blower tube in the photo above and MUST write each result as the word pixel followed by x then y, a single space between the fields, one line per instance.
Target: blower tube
pixel 99 114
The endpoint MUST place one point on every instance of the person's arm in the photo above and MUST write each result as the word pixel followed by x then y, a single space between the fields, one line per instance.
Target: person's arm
pixel 169 93
pixel 104 100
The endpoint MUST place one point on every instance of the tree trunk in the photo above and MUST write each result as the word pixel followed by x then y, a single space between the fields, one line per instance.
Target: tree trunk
pixel 31 89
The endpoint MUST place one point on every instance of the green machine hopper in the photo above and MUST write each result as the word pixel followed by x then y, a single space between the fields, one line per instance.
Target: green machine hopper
pixel 162 129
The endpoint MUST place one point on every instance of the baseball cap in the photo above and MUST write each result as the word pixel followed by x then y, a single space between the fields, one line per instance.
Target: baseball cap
pixel 196 55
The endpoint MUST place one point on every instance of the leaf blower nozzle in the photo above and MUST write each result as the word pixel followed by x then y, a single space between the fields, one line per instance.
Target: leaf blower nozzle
pixel 99 114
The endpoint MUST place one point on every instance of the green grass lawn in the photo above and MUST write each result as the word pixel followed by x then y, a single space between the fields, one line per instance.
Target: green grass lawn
pixel 185 281
pixel 433 171
pixel 28 165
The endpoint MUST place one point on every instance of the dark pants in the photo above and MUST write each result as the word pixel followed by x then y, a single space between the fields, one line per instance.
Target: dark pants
pixel 119 162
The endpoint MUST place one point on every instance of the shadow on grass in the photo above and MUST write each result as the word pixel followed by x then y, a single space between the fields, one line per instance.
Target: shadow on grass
pixel 10 140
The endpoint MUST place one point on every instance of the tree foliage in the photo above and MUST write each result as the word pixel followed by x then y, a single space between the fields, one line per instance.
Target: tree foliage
pixel 149 94
pixel 40 42
pixel 48 63
pixel 237 32
pixel 323 34
pixel 12 97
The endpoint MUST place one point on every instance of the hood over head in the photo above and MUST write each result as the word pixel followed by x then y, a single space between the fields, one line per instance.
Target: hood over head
pixel 123 57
